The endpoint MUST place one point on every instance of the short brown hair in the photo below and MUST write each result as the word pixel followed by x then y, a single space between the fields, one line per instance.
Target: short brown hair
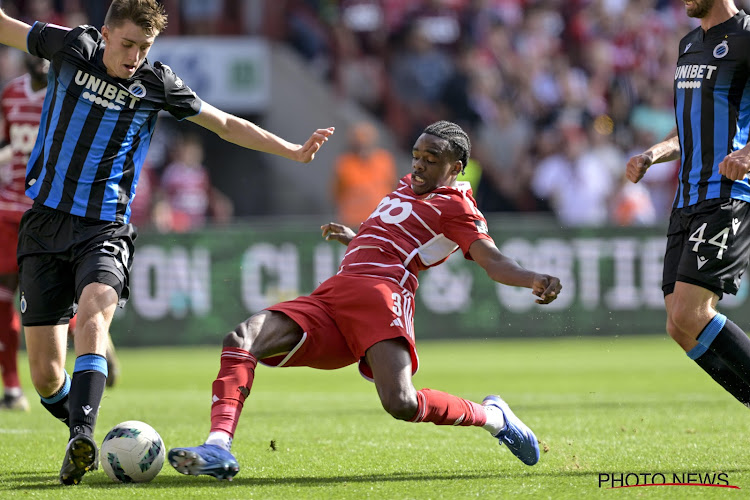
pixel 147 14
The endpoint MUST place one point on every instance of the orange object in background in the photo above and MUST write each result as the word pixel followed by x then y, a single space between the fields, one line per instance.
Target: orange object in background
pixel 363 175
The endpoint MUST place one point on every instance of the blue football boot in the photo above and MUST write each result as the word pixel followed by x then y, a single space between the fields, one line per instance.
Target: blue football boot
pixel 204 459
pixel 519 439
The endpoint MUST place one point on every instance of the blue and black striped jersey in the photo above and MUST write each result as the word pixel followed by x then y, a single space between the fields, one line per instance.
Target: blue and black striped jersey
pixel 95 129
pixel 712 109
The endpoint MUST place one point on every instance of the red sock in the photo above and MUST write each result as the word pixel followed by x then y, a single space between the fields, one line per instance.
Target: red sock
pixel 231 387
pixel 10 327
pixel 442 408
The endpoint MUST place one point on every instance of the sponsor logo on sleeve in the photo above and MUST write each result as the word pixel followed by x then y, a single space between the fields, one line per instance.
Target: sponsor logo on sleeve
pixel 481 226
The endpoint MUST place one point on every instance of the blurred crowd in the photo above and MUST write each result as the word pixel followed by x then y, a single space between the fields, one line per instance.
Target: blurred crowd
pixel 556 94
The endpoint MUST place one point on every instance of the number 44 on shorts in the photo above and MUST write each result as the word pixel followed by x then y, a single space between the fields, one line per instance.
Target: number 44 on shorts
pixel 718 240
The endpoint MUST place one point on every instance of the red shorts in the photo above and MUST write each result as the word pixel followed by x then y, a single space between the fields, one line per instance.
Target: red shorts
pixel 8 245
pixel 345 316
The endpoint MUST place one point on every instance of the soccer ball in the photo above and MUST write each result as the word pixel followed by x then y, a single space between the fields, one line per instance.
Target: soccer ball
pixel 132 452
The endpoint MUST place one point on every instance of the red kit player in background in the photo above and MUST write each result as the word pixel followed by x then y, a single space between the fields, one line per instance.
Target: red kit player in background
pixel 21 106
pixel 365 312
pixel 21 103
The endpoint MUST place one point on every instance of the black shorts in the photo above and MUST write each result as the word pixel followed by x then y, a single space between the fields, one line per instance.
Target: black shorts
pixel 59 254
pixel 708 244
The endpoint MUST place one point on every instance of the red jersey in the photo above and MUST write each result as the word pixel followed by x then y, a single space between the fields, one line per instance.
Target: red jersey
pixel 408 232
pixel 21 108
pixel 187 189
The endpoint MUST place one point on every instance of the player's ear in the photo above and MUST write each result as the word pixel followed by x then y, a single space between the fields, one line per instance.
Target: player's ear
pixel 457 167
pixel 105 32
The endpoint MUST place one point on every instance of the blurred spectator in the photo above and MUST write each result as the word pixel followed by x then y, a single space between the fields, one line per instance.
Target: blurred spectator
pixel 199 17
pixel 458 96
pixel 631 205
pixel 308 32
pixel 362 176
pixel 655 114
pixel 365 19
pixel 602 151
pixel 360 76
pixel 360 40
pixel 502 145
pixel 189 197
pixel 42 10
pixel 505 69
pixel 95 10
pixel 577 187
pixel 438 21
pixel 141 207
pixel 217 17
pixel 419 71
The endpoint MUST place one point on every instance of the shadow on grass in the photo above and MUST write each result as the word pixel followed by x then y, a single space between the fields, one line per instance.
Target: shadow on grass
pixel 37 482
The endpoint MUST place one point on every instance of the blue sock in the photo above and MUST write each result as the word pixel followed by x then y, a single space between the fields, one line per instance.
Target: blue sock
pixel 57 404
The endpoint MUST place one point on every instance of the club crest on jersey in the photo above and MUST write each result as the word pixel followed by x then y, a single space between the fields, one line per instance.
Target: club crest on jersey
pixel 721 50
pixel 177 80
pixel 137 89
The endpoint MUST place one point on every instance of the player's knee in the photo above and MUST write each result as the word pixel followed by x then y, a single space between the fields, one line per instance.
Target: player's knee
pixel 400 406
pixel 673 331
pixel 243 335
pixel 682 320
pixel 236 338
pixel 684 338
pixel 46 378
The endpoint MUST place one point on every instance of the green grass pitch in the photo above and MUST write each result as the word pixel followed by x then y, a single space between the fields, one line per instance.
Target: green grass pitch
pixel 599 405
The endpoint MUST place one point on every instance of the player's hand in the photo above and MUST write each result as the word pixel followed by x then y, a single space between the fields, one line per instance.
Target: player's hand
pixel 735 165
pixel 546 287
pixel 337 232
pixel 307 151
pixel 637 166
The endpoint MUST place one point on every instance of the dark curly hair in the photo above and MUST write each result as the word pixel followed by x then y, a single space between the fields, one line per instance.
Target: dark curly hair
pixel 456 137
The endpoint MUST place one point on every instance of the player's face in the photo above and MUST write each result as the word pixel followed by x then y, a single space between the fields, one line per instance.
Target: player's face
pixel 126 48
pixel 432 164
pixel 698 8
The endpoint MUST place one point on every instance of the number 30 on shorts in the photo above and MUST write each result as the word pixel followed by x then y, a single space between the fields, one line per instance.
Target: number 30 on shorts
pixel 402 308
pixel 397 310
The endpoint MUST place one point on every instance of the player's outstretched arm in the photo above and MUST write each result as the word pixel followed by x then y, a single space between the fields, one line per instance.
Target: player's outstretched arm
pixel 666 150
pixel 337 232
pixel 13 32
pixel 508 272
pixel 248 135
